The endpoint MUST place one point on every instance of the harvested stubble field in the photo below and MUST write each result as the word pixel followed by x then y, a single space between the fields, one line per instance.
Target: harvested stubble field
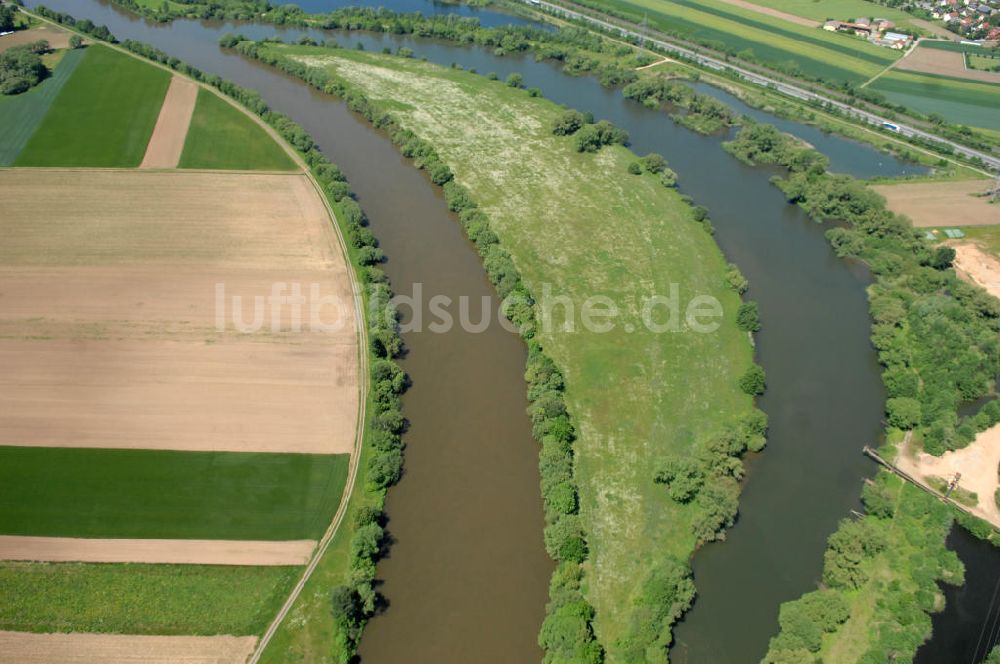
pixel 936 204
pixel 945 63
pixel 175 551
pixel 24 648
pixel 127 342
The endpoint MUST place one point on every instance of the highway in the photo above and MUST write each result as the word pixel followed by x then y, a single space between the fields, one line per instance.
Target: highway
pixel 759 79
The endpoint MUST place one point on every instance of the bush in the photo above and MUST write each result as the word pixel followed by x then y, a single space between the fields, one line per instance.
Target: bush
pixel 753 381
pixel 568 123
pixel 653 163
pixel 736 280
pixel 747 317
pixel 634 168
pixel 515 80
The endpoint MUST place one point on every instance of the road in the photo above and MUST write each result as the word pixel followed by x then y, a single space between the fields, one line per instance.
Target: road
pixel 759 79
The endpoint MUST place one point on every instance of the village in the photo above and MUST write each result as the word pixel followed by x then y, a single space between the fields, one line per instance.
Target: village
pixel 973 20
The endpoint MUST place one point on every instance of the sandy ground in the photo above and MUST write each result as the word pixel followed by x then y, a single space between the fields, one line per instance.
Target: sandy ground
pixel 945 63
pixel 977 266
pixel 937 204
pixel 167 142
pixel 55 38
pixel 792 18
pixel 110 326
pixel 978 464
pixel 172 551
pixel 25 648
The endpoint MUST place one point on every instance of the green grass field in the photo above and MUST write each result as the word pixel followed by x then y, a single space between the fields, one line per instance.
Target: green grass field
pixel 103 116
pixel 983 62
pixel 635 396
pixel 842 10
pixel 223 137
pixel 21 114
pixel 811 51
pixel 163 494
pixel 960 101
pixel 141 599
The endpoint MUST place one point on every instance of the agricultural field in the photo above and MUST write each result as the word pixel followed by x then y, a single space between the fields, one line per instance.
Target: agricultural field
pixel 813 52
pixel 158 444
pixel 971 103
pixel 223 137
pixel 946 63
pixel 100 493
pixel 942 204
pixel 149 599
pixel 21 114
pixel 990 63
pixel 841 10
pixel 103 116
pixel 689 380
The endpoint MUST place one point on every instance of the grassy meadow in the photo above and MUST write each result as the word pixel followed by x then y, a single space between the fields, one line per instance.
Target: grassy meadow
pixel 811 51
pixel 21 114
pixel 223 137
pixel 585 226
pixel 141 599
pixel 960 101
pixel 161 494
pixel 103 116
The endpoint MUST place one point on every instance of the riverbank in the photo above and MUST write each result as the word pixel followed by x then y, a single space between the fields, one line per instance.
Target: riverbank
pixel 555 219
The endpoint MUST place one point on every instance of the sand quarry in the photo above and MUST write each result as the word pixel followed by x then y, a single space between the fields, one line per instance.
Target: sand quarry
pixel 979 462
pixel 935 204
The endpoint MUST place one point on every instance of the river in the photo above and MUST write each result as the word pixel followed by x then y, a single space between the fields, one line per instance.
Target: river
pixel 467 575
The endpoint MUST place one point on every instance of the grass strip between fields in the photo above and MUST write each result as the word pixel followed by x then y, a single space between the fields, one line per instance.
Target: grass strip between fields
pixel 20 115
pixel 223 137
pixel 103 116
pixel 140 599
pixel 169 495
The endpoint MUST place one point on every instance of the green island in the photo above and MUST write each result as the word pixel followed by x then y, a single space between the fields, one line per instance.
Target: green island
pixel 640 503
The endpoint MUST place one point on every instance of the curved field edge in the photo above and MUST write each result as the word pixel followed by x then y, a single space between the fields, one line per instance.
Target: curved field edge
pixel 379 343
pixel 221 137
pixel 678 528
